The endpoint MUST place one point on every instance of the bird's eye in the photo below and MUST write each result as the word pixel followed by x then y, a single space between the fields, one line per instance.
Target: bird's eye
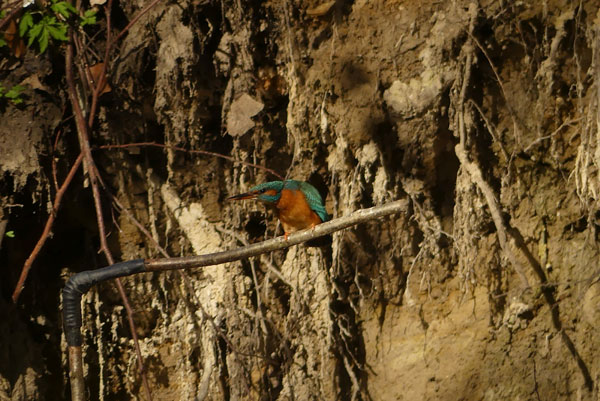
pixel 262 191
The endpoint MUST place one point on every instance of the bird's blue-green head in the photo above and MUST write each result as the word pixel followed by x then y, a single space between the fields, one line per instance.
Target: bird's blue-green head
pixel 268 192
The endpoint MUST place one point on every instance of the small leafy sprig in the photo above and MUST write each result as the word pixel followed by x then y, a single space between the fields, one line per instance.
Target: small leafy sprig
pixel 13 94
pixel 40 26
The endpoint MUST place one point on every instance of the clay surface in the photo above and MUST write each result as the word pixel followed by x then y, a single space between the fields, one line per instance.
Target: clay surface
pixel 484 115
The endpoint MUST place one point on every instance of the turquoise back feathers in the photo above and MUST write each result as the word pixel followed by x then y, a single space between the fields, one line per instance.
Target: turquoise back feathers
pixel 313 198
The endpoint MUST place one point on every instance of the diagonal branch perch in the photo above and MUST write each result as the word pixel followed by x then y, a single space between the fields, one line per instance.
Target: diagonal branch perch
pixel 274 244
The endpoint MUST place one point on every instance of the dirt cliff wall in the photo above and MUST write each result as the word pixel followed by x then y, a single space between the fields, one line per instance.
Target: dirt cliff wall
pixel 484 115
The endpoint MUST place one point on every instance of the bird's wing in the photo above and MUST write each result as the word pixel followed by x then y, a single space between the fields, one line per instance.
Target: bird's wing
pixel 314 200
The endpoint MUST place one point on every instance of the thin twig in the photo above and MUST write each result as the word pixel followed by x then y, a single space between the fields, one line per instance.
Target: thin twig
pixel 124 210
pixel 120 288
pixel 54 168
pixel 47 229
pixel 12 13
pixel 556 131
pixel 134 20
pixel 192 151
pixel 511 111
pixel 82 133
pixel 99 86
pixel 491 129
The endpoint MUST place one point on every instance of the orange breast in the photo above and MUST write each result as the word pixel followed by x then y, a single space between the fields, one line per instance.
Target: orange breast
pixel 294 212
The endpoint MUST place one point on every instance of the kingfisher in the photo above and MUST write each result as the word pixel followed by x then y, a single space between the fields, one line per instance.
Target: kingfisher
pixel 298 204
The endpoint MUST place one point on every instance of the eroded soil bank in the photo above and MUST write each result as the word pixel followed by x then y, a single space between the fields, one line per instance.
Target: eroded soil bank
pixel 483 115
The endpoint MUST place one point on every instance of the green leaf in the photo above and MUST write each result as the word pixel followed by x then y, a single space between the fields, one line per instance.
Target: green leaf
pixel 10 234
pixel 2 42
pixel 63 8
pixel 58 31
pixel 49 20
pixel 89 18
pixel 25 23
pixel 70 6
pixel 34 33
pixel 14 92
pixel 57 9
pixel 43 40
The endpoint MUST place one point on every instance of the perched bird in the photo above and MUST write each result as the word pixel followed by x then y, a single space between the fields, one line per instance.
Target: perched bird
pixel 297 203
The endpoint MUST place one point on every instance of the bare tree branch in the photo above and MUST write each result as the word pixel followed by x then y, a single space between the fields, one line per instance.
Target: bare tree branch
pixel 274 244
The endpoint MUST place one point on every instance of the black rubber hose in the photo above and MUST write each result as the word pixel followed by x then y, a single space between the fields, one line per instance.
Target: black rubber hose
pixel 80 283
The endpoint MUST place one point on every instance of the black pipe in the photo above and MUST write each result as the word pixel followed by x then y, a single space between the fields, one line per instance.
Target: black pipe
pixel 80 283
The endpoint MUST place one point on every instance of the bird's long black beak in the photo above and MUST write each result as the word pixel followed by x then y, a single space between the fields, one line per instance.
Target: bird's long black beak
pixel 247 195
